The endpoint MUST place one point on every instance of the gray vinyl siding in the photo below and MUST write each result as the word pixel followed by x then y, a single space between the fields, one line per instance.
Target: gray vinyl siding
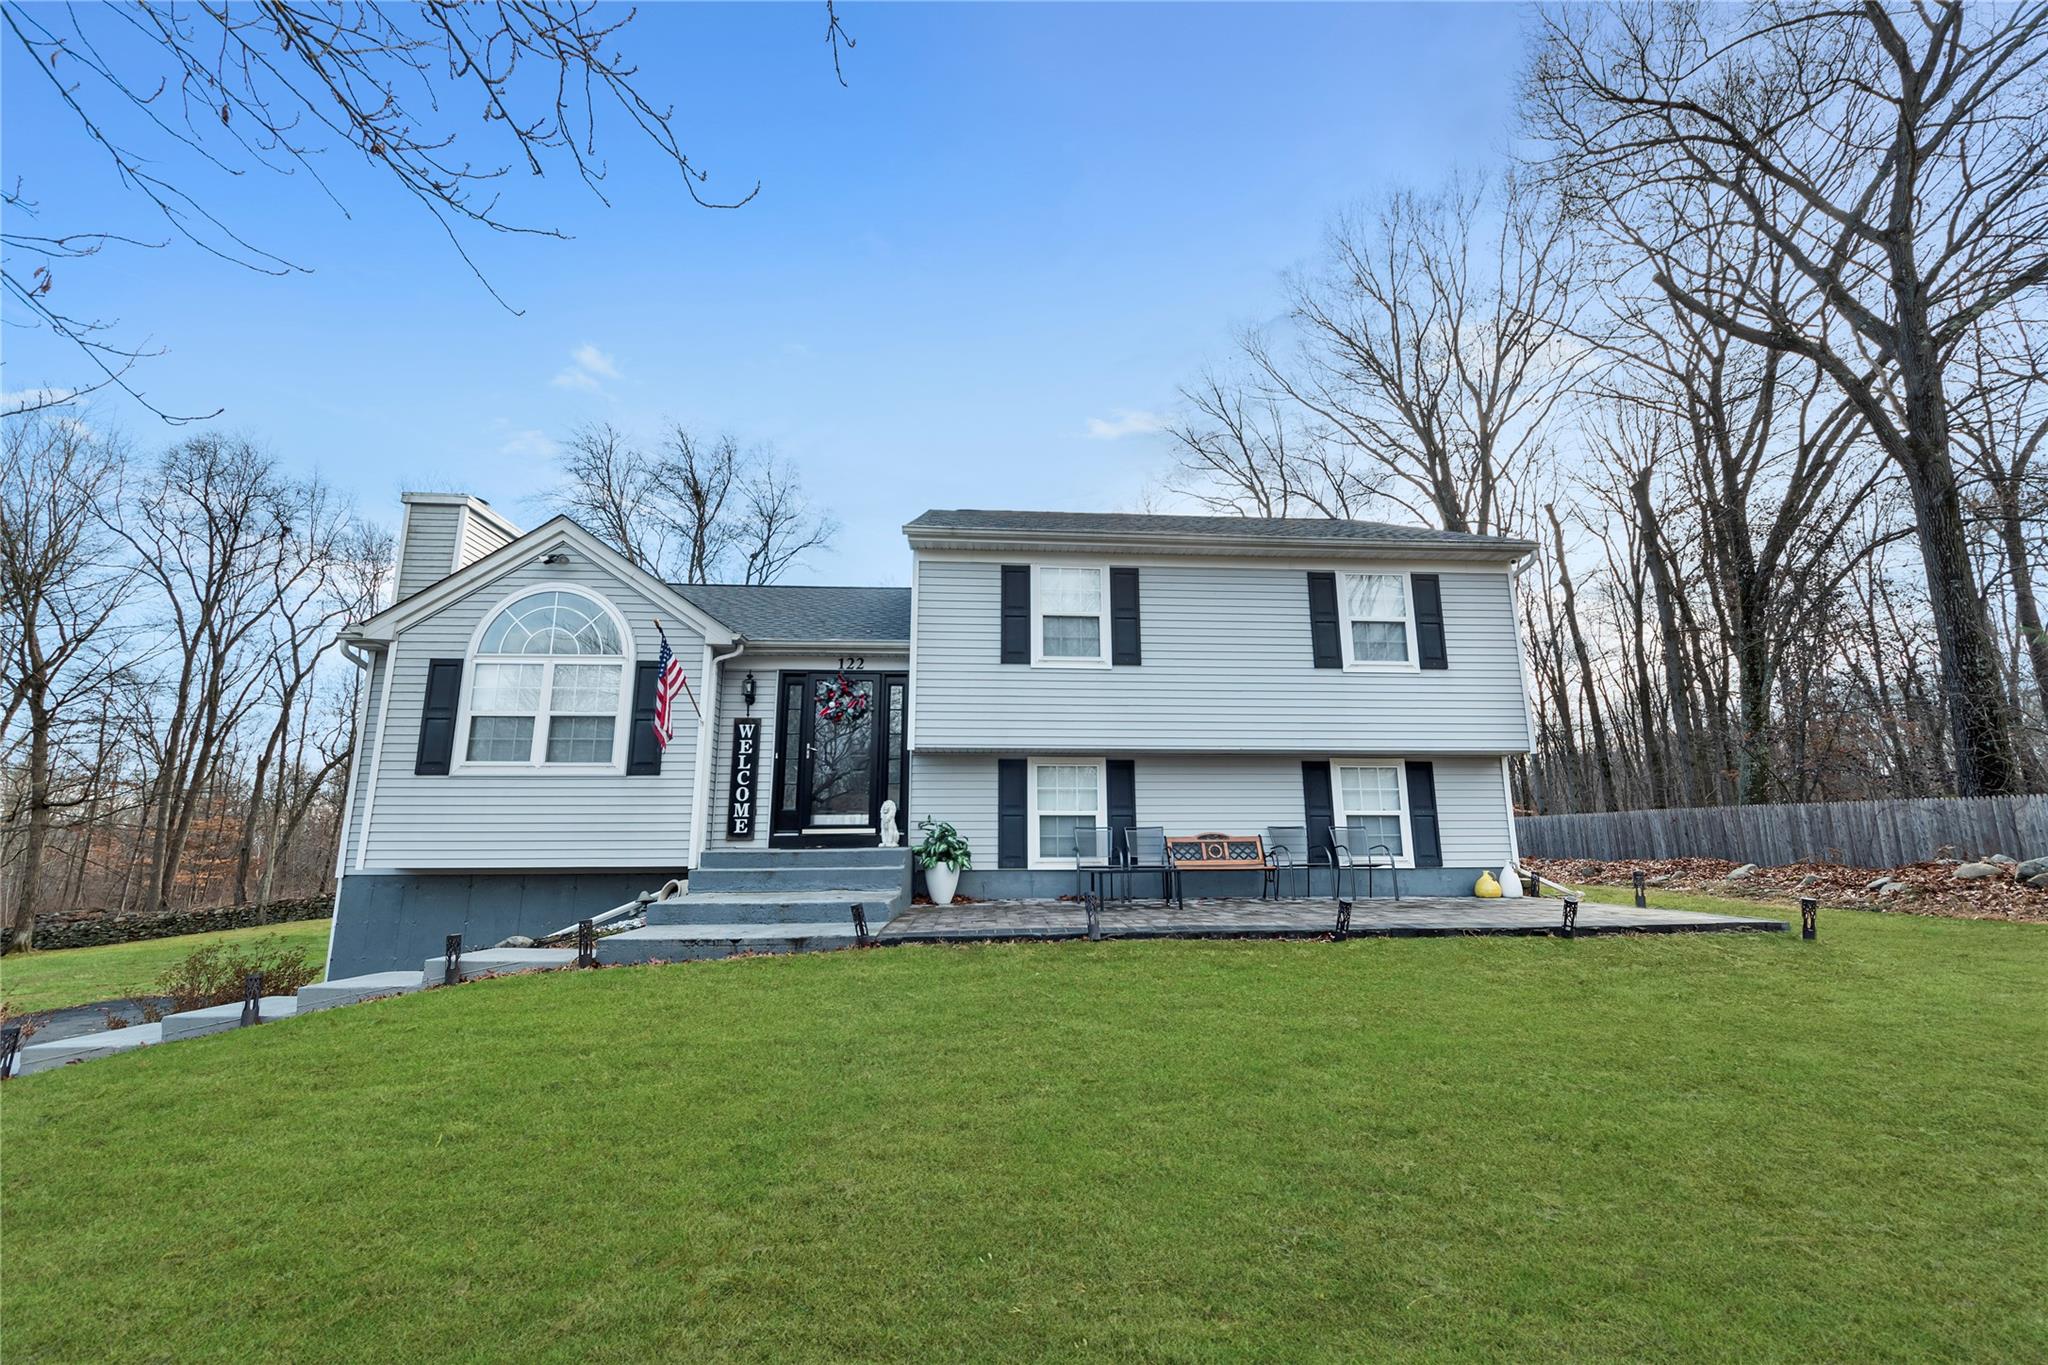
pixel 765 667
pixel 961 790
pixel 430 534
pixel 1472 812
pixel 1227 667
pixel 479 538
pixel 528 818
pixel 1228 793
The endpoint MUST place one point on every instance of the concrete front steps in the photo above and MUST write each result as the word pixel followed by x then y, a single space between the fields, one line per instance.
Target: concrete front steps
pixel 769 901
pixel 747 901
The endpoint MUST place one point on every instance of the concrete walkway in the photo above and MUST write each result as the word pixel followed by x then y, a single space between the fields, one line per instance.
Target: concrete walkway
pixel 1247 918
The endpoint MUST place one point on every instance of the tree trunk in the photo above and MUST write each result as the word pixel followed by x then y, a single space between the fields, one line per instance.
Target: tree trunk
pixel 1987 763
pixel 1601 754
pixel 1667 620
pixel 2012 531
pixel 21 927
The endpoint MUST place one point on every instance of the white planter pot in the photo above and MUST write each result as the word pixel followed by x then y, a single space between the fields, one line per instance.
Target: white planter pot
pixel 942 880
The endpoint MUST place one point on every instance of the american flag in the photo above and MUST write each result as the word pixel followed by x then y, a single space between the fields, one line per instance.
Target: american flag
pixel 668 681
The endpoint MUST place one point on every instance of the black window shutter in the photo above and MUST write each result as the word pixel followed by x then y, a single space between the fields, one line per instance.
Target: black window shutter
pixel 1123 801
pixel 1429 849
pixel 1315 808
pixel 1322 621
pixel 1429 620
pixel 1016 614
pixel 1123 618
pixel 643 751
pixel 437 717
pixel 1011 813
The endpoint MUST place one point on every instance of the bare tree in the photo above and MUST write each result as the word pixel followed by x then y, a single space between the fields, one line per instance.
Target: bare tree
pixel 700 510
pixel 619 492
pixel 1243 449
pixel 344 584
pixel 162 89
pixel 60 591
pixel 1434 344
pixel 701 476
pixel 780 525
pixel 2001 425
pixel 1896 161
pixel 230 544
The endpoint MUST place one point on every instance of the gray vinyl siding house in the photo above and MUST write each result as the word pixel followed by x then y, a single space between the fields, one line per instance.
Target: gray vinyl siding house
pixel 1042 671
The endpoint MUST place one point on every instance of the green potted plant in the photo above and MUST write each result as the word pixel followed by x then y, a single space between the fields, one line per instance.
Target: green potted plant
pixel 943 855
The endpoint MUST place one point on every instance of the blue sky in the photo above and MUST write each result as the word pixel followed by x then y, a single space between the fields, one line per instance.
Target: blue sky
pixel 971 278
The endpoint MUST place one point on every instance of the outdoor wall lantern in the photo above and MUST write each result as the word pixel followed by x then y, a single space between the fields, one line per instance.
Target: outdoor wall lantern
pixel 747 691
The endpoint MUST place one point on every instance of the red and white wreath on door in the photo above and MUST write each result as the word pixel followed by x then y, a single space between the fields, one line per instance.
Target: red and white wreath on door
pixel 841 702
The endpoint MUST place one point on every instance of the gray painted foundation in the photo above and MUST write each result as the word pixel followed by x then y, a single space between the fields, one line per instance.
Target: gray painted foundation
pixel 392 921
pixel 1016 883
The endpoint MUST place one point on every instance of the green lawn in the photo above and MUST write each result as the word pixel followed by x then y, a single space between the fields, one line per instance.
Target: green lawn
pixel 52 979
pixel 1698 1147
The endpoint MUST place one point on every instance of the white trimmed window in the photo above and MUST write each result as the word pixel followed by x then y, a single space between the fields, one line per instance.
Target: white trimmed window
pixel 1068 610
pixel 1065 794
pixel 1379 620
pixel 1371 801
pixel 547 684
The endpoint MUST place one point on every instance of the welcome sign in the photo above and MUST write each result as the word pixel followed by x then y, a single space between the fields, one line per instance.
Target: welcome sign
pixel 739 800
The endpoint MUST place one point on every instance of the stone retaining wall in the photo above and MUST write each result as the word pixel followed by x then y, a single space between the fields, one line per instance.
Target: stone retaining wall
pixel 84 931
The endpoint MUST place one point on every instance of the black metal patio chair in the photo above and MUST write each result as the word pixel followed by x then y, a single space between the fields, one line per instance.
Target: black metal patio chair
pixel 1374 857
pixel 1287 851
pixel 1145 847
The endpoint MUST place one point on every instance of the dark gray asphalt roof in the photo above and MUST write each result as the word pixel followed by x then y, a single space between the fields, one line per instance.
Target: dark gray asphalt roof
pixel 1279 529
pixel 799 612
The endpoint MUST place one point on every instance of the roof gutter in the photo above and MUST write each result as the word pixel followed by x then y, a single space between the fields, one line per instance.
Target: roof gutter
pixel 928 538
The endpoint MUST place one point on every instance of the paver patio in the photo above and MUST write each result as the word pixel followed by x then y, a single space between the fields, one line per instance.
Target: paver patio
pixel 1252 918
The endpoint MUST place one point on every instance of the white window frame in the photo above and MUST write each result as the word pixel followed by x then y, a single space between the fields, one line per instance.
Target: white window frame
pixel 1034 858
pixel 1039 658
pixel 1413 663
pixel 1341 818
pixel 536 758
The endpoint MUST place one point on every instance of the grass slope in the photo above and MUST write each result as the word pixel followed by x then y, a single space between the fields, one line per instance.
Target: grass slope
pixel 53 978
pixel 1615 1148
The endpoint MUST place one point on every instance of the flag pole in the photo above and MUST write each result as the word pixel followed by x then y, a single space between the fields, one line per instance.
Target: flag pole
pixel 686 673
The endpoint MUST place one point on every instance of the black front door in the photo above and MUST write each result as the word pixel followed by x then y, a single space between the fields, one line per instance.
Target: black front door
pixel 839 756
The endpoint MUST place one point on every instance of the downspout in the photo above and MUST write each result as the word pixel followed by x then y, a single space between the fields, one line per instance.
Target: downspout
pixel 700 805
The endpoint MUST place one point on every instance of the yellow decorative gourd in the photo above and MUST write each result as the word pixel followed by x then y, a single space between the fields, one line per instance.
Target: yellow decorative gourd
pixel 1487 886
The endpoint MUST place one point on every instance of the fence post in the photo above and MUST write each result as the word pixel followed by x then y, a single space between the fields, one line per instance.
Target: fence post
pixel 451 960
pixel 1809 915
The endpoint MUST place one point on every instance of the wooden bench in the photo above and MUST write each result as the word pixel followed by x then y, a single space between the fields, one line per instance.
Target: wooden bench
pixel 1214 852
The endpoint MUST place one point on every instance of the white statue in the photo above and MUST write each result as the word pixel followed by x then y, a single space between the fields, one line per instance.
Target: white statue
pixel 891 836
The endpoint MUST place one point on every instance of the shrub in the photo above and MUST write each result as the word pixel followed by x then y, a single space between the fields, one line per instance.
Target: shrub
pixel 214 976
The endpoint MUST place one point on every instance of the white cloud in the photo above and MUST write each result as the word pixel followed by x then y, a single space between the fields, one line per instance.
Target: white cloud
pixel 1126 423
pixel 587 369
pixel 23 400
pixel 528 443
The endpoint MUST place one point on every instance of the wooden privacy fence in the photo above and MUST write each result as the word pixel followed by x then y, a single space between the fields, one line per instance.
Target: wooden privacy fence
pixel 1857 833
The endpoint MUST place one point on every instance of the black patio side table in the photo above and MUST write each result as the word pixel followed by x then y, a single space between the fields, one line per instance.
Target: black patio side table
pixel 1097 876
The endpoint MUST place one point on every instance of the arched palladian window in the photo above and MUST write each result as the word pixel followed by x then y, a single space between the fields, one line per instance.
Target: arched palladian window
pixel 549 683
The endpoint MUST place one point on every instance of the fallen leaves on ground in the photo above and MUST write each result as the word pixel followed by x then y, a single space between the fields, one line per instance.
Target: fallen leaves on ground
pixel 1931 887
